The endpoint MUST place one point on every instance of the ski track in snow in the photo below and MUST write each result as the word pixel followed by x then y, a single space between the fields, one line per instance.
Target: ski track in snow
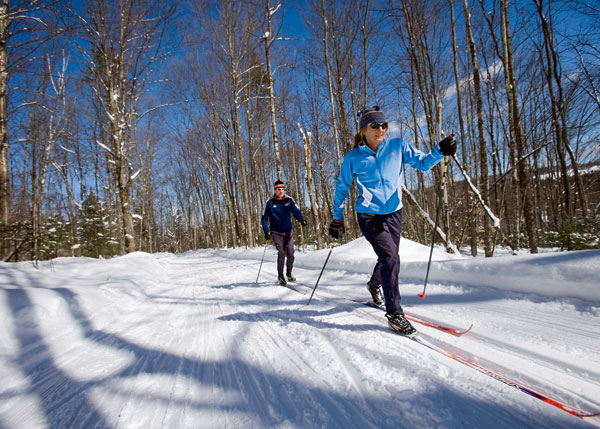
pixel 543 353
pixel 193 341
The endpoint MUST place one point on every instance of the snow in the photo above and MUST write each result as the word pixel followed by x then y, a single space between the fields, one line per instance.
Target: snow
pixel 193 340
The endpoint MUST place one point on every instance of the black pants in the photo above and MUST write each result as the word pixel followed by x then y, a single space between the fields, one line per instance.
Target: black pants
pixel 284 242
pixel 383 232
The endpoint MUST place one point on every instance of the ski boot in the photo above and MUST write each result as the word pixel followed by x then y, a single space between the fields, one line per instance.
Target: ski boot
pixel 282 281
pixel 291 278
pixel 376 294
pixel 399 324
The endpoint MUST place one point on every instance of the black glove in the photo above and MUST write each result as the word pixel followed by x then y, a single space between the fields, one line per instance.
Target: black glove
pixel 303 222
pixel 267 235
pixel 448 146
pixel 336 228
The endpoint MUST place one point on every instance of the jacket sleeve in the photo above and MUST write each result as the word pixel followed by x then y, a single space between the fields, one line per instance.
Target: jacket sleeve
pixel 420 160
pixel 296 211
pixel 342 187
pixel 265 218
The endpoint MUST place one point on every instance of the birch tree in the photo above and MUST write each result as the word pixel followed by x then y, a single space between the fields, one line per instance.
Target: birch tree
pixel 516 128
pixel 47 121
pixel 482 147
pixel 24 27
pixel 122 45
pixel 334 123
pixel 554 80
pixel 236 49
pixel 463 135
pixel 306 139
pixel 268 37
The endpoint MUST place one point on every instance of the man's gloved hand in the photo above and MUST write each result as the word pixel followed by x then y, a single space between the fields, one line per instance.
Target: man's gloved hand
pixel 303 222
pixel 336 228
pixel 267 235
pixel 448 146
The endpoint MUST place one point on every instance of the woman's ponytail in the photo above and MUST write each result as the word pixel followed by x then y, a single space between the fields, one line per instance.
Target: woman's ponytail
pixel 359 139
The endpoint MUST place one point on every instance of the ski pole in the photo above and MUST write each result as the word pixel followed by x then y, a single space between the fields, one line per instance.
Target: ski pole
pixel 437 215
pixel 261 262
pixel 323 269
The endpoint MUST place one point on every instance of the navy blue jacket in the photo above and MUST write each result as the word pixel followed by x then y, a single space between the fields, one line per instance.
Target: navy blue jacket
pixel 278 213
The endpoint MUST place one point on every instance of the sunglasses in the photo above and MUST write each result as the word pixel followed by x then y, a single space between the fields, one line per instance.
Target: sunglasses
pixel 280 189
pixel 377 125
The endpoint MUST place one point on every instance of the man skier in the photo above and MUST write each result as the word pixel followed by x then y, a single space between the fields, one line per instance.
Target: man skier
pixel 277 224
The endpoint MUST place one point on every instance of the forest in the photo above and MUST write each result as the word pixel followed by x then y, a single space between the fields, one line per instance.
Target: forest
pixel 161 126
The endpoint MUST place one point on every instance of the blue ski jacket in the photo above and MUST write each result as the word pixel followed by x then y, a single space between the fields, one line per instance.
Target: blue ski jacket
pixel 379 176
pixel 278 213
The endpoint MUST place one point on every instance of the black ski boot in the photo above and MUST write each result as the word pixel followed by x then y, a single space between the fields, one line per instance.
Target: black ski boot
pixel 282 281
pixel 376 294
pixel 291 278
pixel 399 324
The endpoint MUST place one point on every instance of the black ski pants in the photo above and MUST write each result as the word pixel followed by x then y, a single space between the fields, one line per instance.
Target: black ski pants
pixel 384 232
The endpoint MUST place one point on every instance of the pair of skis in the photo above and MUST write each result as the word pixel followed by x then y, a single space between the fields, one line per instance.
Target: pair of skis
pixel 292 286
pixel 431 344
pixel 410 316
pixel 457 332
pixel 439 347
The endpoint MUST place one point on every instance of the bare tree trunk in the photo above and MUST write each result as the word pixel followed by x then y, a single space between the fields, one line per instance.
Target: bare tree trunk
pixel 325 202
pixel 241 150
pixel 480 127
pixel 244 179
pixel 446 218
pixel 516 132
pixel 463 136
pixel 122 45
pixel 47 119
pixel 419 51
pixel 364 6
pixel 420 47
pixel 334 122
pixel 268 38
pixel 4 168
pixel 306 139
pixel 146 203
pixel 422 227
pixel 31 13
pixel 227 219
pixel 559 112
pixel 255 166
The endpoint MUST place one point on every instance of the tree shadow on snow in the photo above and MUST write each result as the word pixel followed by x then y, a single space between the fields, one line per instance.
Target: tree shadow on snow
pixel 266 398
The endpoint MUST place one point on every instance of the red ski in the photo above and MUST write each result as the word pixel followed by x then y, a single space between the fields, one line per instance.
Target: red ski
pixel 430 344
pixel 457 332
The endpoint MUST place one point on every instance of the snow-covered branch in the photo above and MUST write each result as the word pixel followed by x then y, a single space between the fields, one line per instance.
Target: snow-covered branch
pixel 106 148
pixel 475 191
pixel 135 175
pixel 428 219
pixel 274 10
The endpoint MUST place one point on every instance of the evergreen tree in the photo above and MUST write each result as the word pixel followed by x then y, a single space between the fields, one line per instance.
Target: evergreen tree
pixel 97 233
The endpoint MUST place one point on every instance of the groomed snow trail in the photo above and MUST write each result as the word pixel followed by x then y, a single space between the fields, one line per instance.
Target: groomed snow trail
pixel 193 341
